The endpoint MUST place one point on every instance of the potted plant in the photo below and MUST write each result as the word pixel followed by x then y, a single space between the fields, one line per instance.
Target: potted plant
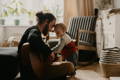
pixel 17 10
pixel 57 12
pixel 31 15
pixel 3 14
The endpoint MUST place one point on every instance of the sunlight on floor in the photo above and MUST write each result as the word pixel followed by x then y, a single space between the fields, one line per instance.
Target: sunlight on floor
pixel 91 72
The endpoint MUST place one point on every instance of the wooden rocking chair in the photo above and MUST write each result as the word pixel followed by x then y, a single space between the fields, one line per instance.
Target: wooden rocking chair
pixel 82 30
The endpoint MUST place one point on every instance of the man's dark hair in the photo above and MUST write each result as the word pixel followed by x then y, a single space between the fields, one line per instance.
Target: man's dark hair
pixel 42 17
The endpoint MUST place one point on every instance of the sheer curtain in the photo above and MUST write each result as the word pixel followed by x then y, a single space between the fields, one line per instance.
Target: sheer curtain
pixel 77 8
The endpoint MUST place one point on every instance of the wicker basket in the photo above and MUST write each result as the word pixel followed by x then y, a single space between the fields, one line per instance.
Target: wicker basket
pixel 109 70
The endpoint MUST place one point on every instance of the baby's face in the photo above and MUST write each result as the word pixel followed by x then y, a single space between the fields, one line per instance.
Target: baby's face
pixel 59 32
pixel 52 25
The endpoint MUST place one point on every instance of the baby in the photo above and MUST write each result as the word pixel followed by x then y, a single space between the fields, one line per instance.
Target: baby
pixel 67 47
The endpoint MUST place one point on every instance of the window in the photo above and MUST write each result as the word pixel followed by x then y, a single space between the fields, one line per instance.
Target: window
pixel 22 12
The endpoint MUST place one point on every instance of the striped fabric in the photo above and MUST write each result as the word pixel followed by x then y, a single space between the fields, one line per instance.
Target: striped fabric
pixel 110 56
pixel 83 23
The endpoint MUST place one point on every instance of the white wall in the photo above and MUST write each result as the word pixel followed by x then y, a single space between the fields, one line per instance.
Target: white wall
pixel 99 4
pixel 8 31
pixel 1 34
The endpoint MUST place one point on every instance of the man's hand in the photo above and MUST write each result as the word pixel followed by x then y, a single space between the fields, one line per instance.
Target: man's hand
pixel 52 56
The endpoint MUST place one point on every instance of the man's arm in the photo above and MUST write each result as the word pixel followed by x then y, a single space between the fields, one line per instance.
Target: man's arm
pixel 37 44
pixel 59 48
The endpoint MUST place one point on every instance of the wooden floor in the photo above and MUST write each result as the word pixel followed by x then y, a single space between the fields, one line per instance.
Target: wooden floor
pixel 91 72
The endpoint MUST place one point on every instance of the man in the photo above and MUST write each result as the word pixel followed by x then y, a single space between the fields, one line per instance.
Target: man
pixel 33 36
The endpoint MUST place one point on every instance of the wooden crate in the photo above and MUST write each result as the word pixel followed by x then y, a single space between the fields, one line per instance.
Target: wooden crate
pixel 110 70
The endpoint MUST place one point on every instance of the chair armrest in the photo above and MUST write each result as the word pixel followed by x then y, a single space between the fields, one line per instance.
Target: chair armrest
pixel 86 31
pixel 88 48
pixel 78 35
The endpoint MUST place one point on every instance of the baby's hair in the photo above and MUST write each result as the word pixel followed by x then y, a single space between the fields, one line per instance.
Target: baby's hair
pixel 61 26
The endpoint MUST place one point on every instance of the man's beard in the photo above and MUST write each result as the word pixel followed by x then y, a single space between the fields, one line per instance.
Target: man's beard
pixel 46 30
